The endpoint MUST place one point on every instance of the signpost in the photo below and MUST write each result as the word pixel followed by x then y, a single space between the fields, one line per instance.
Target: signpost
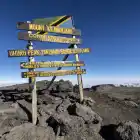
pixel 32 83
pixel 52 73
pixel 46 28
pixel 47 38
pixel 19 53
pixel 41 28
pixel 33 65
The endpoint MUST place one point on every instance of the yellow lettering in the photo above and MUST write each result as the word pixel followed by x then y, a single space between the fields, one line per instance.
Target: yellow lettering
pixel 69 31
pixel 17 53
pixel 37 37
pixel 36 27
pixel 87 50
pixel 22 53
pixel 37 53
pixel 52 39
pixel 40 27
pixel 30 52
pixel 49 28
pixel 30 35
pixel 12 53
pixel 43 37
pixel 44 52
pixel 31 27
pixel 59 30
pixel 55 51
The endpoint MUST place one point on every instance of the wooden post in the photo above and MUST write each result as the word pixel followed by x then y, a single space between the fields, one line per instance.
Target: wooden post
pixel 32 86
pixel 79 77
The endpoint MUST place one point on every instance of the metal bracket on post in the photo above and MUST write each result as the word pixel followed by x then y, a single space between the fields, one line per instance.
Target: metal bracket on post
pixel 32 85
pixel 79 77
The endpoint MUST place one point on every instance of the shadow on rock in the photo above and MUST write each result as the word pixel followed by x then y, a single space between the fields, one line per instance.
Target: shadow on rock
pixel 107 131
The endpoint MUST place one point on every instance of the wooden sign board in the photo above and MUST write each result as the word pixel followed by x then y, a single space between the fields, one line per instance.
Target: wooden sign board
pixel 33 65
pixel 47 38
pixel 46 28
pixel 22 53
pixel 52 73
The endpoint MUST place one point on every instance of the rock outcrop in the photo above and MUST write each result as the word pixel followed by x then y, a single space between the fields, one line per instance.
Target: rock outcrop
pixel 102 88
pixel 61 116
pixel 127 131
pixel 28 131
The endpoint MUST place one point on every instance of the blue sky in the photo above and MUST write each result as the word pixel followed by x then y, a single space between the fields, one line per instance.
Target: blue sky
pixel 111 28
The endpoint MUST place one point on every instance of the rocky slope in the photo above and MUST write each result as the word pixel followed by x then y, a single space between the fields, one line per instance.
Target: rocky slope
pixel 62 117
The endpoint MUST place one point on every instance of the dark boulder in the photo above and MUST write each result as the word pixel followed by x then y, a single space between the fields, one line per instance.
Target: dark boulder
pixel 131 104
pixel 91 118
pixel 28 131
pixel 102 88
pixel 88 101
pixel 65 123
pixel 24 109
pixel 72 127
pixel 76 88
pixel 95 136
pixel 63 106
pixel 127 131
pixel 7 123
pixel 64 86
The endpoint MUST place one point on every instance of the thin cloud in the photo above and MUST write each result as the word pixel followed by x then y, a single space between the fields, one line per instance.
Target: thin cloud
pixel 87 81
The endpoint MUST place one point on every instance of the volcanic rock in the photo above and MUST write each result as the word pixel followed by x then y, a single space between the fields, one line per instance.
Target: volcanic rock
pixel 67 123
pixel 64 86
pixel 7 123
pixel 88 101
pixel 47 109
pixel 61 86
pixel 76 88
pixel 127 131
pixel 103 87
pixel 7 109
pixel 95 136
pixel 25 109
pixel 73 127
pixel 85 112
pixel 131 104
pixel 28 131
pixel 63 106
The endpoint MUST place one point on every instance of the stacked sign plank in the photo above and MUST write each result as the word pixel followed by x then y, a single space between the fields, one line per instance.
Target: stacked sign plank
pixel 40 34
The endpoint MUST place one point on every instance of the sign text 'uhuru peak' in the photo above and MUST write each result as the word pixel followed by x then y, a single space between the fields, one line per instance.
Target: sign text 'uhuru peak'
pixel 22 53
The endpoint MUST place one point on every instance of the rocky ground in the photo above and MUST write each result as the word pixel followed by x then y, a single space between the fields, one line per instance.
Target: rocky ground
pixel 107 113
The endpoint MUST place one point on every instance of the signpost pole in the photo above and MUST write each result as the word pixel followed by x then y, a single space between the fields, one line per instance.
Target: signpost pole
pixel 32 86
pixel 79 77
